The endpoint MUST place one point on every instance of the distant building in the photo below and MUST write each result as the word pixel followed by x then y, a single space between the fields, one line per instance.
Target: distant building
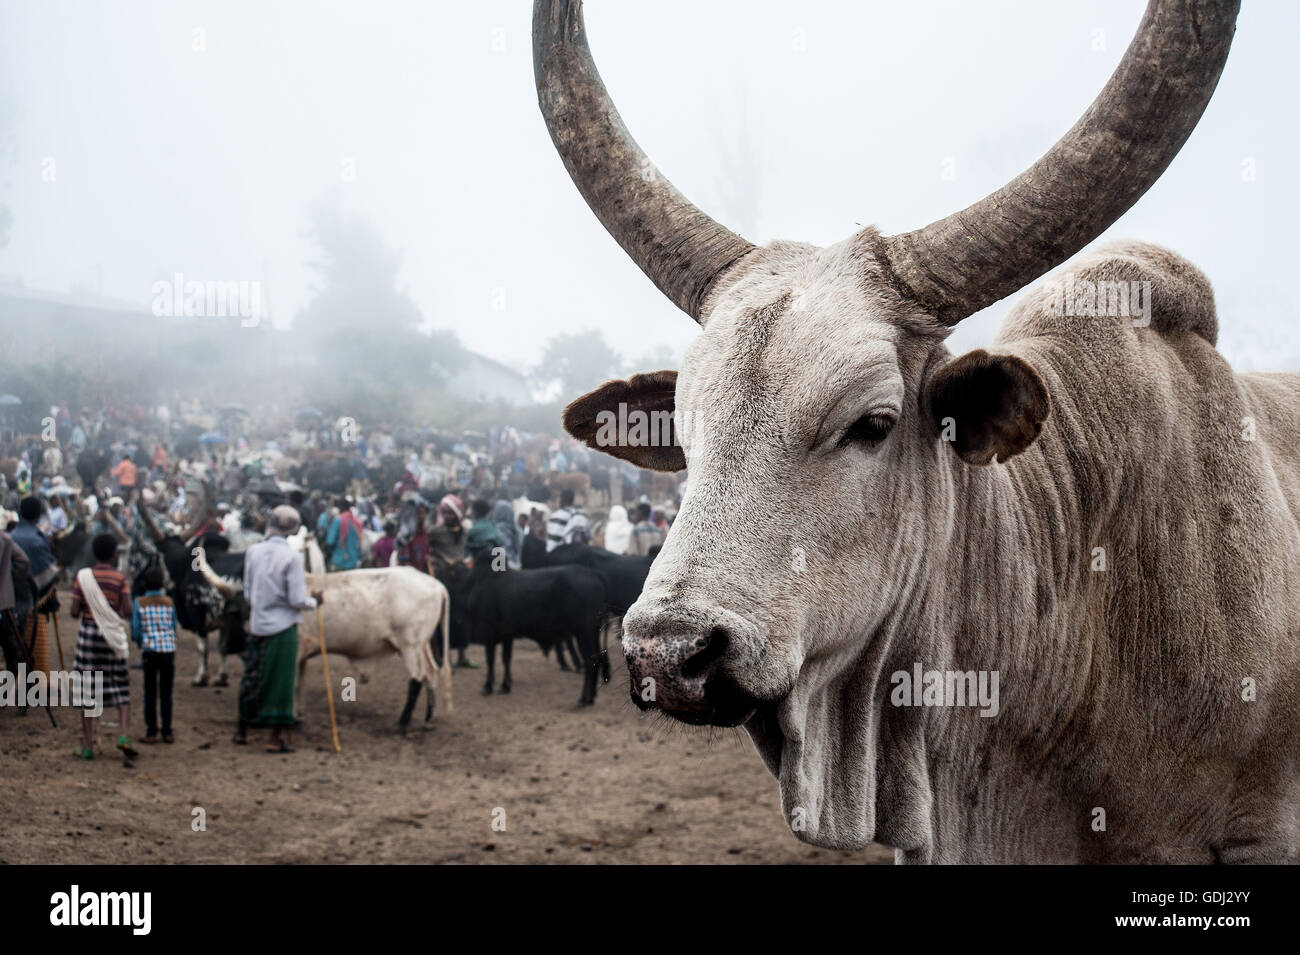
pixel 101 336
pixel 478 378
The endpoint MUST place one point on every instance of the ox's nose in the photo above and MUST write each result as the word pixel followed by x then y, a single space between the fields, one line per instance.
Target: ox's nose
pixel 672 670
pixel 676 659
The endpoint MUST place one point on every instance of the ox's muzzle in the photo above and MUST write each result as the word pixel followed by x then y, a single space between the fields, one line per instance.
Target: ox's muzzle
pixel 677 658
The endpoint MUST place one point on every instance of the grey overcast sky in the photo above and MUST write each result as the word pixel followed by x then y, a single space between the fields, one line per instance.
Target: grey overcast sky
pixel 798 121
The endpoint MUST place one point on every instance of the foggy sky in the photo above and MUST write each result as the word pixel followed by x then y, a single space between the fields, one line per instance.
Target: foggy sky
pixel 784 121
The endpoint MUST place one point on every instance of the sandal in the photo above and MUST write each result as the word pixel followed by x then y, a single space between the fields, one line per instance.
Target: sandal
pixel 150 739
pixel 124 744
pixel 85 752
pixel 280 748
pixel 239 740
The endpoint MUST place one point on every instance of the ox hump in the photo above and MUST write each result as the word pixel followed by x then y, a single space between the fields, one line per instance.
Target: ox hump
pixel 1121 284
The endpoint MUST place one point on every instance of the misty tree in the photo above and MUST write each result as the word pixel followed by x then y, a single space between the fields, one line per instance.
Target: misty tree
pixel 363 329
pixel 576 362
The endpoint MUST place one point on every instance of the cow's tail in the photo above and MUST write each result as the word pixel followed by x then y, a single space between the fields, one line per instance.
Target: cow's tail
pixel 442 674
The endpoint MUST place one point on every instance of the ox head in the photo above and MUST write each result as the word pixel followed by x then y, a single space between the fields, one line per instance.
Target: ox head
pixel 811 409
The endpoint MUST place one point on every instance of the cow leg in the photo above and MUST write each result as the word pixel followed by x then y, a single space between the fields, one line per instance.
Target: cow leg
pixel 507 649
pixel 490 651
pixel 428 701
pixel 413 659
pixel 588 685
pixel 201 678
pixel 590 666
pixel 223 678
pixel 412 694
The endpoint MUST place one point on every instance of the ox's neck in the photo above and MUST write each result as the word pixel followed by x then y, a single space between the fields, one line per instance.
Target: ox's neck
pixel 1121 576
pixel 1011 595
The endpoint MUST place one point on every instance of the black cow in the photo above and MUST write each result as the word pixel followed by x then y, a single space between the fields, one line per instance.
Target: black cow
pixel 547 605
pixel 200 607
pixel 91 463
pixel 624 574
pixel 331 472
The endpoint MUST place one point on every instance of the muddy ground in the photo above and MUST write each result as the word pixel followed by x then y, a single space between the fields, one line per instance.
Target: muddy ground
pixel 602 784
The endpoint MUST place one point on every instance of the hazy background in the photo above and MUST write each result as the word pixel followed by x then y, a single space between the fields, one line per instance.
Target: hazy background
pixel 198 137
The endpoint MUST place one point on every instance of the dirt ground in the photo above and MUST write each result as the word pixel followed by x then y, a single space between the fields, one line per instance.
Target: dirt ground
pixel 595 785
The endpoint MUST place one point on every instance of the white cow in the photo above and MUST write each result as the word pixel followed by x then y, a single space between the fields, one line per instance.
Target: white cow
pixel 379 611
pixel 369 613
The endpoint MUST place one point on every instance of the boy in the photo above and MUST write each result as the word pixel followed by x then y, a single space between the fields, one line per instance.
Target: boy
pixel 153 628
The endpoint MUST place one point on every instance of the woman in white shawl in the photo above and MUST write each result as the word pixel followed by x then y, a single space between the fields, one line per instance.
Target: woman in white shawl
pixel 618 530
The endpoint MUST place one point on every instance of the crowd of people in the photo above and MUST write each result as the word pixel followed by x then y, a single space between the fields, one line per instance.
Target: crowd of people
pixel 81 499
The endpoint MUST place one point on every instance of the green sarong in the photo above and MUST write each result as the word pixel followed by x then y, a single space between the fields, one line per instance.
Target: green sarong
pixel 279 668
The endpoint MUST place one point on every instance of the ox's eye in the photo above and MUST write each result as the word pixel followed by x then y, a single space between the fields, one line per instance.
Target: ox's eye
pixel 868 431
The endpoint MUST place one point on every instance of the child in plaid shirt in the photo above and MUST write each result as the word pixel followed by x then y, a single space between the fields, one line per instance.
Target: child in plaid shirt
pixel 153 627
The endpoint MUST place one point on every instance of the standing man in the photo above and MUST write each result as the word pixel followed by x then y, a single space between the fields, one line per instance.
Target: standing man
pixel 36 546
pixel 483 534
pixel 646 535
pixel 101 598
pixel 124 473
pixel 14 566
pixel 276 589
pixel 558 523
pixel 381 555
pixel 343 539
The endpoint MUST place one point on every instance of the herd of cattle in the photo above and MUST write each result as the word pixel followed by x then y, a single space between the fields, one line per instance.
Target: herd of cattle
pixel 570 606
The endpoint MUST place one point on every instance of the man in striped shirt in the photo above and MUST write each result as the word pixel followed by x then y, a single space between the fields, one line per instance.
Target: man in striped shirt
pixel 567 524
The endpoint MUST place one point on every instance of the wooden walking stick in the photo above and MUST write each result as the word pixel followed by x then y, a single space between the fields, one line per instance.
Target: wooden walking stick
pixel 329 687
pixel 11 620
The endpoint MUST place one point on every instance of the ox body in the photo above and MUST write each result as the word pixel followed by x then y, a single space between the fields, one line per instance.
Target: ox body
pixel 371 613
pixel 378 612
pixel 1096 515
pixel 199 579
pixel 549 605
pixel 624 574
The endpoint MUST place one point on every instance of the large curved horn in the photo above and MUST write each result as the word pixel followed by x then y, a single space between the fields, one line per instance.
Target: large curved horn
pixel 147 518
pixel 199 513
pixel 1112 155
pixel 681 249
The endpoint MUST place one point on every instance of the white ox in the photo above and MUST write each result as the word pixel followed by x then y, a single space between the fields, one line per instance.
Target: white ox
pixel 1096 512
pixel 380 611
pixel 371 613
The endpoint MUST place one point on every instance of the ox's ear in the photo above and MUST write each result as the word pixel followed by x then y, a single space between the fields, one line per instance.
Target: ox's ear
pixel 988 405
pixel 631 419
